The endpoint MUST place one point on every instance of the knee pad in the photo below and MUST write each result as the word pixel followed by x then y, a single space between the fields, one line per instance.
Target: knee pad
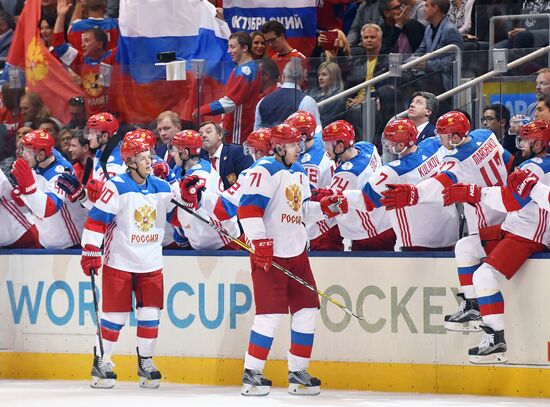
pixel 266 324
pixel 304 320
pixel 487 280
pixel 118 318
pixel 148 314
pixel 469 251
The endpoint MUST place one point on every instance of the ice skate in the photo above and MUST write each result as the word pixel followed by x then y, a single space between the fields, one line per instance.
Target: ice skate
pixel 302 383
pixel 149 375
pixel 491 348
pixel 103 376
pixel 466 319
pixel 254 384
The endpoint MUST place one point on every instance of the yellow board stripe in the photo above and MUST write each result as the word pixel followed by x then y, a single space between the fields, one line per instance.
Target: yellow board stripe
pixel 389 377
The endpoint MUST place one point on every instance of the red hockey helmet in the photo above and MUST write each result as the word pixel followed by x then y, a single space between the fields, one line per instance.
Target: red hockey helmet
pixel 340 130
pixel 131 147
pixel 188 139
pixel 259 140
pixel 103 122
pixel 453 123
pixel 285 134
pixel 39 140
pixel 304 122
pixel 536 130
pixel 143 134
pixel 401 131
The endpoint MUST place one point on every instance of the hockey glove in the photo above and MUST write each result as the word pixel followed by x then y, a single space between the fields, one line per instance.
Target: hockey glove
pixel 24 176
pixel 334 205
pixel 263 253
pixel 91 259
pixel 521 182
pixel 191 191
pixel 161 169
pixel 461 193
pixel 398 196
pixel 94 189
pixel 318 194
pixel 16 197
pixel 71 185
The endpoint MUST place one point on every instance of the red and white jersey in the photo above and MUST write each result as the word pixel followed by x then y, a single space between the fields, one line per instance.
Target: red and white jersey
pixel 359 224
pixel 424 225
pixel 481 161
pixel 130 218
pixel 16 220
pixel 200 235
pixel 525 218
pixel 115 166
pixel 275 204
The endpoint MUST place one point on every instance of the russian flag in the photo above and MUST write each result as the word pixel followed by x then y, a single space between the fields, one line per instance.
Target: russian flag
pixel 298 16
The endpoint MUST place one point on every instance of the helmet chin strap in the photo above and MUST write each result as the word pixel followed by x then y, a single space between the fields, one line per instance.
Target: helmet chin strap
pixel 399 154
pixel 461 141
pixel 282 157
pixel 143 177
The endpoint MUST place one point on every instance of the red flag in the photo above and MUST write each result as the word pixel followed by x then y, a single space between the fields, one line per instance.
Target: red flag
pixel 44 73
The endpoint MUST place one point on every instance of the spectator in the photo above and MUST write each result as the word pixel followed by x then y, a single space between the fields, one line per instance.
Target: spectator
pixel 270 76
pixel 543 109
pixel 243 91
pixel 418 11
pixel 228 160
pixel 258 45
pixel 33 109
pixel 77 109
pixel 6 35
pixel 534 32
pixel 18 140
pixel 330 84
pixel 65 135
pixel 277 106
pixel 460 14
pixel 112 8
pixel 168 124
pixel 542 88
pixel 497 119
pixel 367 13
pixel 400 33
pixel 10 114
pixel 79 154
pixel 422 111
pixel 96 13
pixel 52 127
pixel 274 35
pixel 46 25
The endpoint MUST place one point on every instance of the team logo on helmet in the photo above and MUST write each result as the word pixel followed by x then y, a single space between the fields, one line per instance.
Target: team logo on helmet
pixel 293 194
pixel 144 217
pixel 450 120
pixel 36 65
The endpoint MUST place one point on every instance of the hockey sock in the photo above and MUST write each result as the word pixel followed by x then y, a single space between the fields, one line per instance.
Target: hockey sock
pixel 261 338
pixel 301 338
pixel 468 253
pixel 111 324
pixel 465 276
pixel 490 299
pixel 147 330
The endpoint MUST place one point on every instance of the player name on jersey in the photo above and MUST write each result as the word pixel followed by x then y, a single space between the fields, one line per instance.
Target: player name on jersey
pixel 484 150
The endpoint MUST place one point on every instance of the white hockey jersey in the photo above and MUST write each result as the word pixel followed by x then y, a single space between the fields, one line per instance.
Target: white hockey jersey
pixel 16 220
pixel 115 166
pixel 130 218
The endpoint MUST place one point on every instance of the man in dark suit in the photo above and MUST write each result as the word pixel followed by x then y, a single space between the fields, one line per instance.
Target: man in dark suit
pixel 422 111
pixel 228 160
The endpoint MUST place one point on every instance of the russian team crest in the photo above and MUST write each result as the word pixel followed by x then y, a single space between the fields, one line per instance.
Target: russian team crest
pixel 144 217
pixel 293 194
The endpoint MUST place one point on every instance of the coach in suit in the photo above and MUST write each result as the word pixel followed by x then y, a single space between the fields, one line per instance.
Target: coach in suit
pixel 228 160
pixel 422 111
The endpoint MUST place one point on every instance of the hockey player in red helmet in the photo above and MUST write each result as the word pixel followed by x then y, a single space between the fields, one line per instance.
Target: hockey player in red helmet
pixel 258 143
pixel 135 206
pixel 100 127
pixel 400 135
pixel 452 129
pixel 338 137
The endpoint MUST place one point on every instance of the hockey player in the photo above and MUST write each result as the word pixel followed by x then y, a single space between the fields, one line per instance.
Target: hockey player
pixel 525 231
pixel 191 168
pixel 323 235
pixel 414 164
pixel 129 220
pixel 274 204
pixel 59 222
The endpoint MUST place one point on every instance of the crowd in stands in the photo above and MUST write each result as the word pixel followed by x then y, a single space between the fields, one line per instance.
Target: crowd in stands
pixel 271 79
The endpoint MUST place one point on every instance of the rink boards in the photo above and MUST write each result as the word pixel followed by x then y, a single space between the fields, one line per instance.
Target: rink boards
pixel 47 329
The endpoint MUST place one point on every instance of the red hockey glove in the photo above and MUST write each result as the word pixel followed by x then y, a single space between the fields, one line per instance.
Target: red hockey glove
pixel 319 193
pixel 263 253
pixel 461 193
pixel 71 185
pixel 16 197
pixel 94 189
pixel 161 169
pixel 24 176
pixel 334 205
pixel 191 189
pixel 521 182
pixel 91 259
pixel 398 196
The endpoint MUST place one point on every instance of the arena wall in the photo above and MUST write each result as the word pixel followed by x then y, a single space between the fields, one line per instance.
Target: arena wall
pixel 47 328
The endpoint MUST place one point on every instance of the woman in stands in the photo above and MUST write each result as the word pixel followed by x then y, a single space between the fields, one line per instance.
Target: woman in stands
pixel 258 45
pixel 329 77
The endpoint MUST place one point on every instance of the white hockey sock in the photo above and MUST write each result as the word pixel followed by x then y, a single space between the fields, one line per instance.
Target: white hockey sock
pixel 261 338
pixel 301 338
pixel 147 330
pixel 490 299
pixel 111 325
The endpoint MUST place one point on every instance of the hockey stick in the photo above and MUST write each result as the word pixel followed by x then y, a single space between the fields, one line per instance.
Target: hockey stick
pixel 96 309
pixel 249 249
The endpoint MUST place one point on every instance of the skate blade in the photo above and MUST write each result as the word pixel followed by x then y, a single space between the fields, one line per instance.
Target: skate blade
pixel 472 326
pixel 301 390
pixel 495 358
pixel 145 383
pixel 251 390
pixel 99 383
